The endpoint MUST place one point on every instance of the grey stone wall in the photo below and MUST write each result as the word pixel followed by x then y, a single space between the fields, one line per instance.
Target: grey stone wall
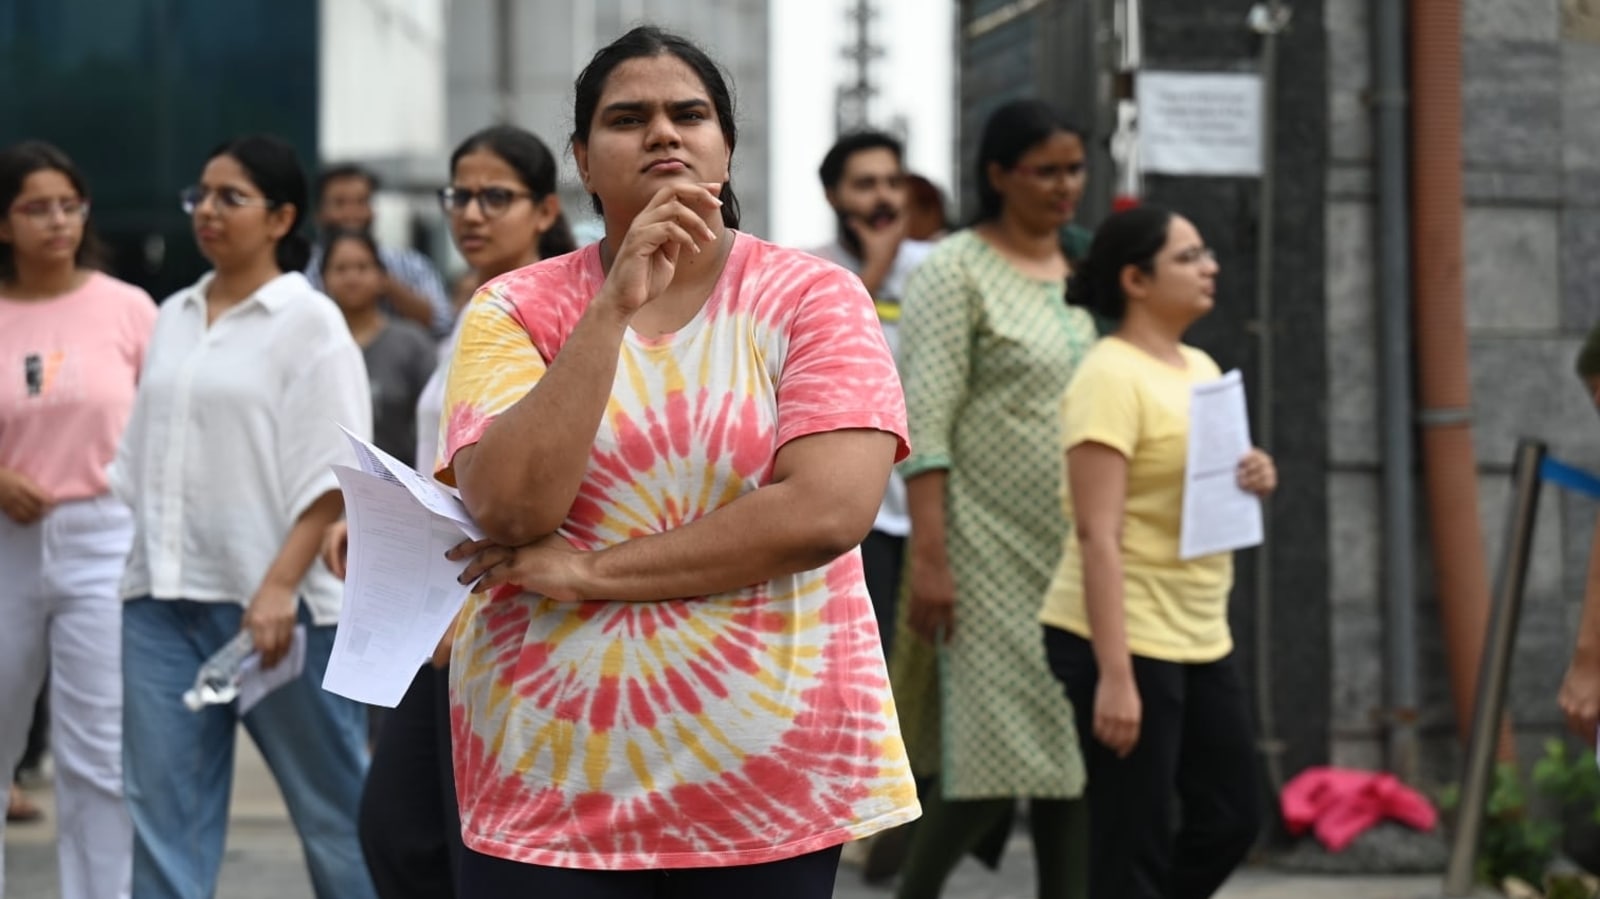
pixel 1531 94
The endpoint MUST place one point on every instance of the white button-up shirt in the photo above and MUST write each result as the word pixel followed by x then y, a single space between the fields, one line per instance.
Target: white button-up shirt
pixel 231 439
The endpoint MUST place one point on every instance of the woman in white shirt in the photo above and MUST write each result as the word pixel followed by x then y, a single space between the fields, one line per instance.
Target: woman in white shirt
pixel 226 463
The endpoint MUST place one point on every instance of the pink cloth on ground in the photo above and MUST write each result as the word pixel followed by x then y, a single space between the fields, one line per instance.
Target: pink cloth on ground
pixel 1340 804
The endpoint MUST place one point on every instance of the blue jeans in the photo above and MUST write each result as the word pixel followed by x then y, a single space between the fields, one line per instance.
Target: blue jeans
pixel 178 765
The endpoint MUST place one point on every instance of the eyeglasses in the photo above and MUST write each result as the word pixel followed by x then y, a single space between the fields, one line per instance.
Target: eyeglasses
pixel 1052 173
pixel 41 211
pixel 228 198
pixel 492 201
pixel 1195 254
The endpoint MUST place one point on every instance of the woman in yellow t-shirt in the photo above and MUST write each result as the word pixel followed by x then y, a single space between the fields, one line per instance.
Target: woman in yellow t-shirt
pixel 1138 636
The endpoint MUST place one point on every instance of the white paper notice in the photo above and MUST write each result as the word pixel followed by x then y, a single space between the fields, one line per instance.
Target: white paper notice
pixel 255 683
pixel 1218 516
pixel 1200 123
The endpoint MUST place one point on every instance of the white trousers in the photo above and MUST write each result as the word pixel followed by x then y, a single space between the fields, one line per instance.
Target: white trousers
pixel 60 610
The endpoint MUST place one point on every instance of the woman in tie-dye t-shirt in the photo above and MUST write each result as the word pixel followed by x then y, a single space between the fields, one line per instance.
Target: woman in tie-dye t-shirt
pixel 686 431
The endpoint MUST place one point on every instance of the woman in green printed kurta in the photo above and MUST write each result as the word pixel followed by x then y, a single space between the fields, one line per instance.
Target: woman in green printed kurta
pixel 988 345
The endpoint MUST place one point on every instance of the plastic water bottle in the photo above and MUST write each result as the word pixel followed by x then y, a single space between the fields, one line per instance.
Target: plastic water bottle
pixel 218 680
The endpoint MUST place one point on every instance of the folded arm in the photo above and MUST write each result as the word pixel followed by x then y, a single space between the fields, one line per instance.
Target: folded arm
pixel 820 504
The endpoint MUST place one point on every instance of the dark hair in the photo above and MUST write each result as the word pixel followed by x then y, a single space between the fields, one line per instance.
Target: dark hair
pixel 1588 362
pixel 921 190
pixel 643 42
pixel 832 169
pixel 1011 131
pixel 535 166
pixel 342 170
pixel 1130 237
pixel 272 166
pixel 332 239
pixel 17 162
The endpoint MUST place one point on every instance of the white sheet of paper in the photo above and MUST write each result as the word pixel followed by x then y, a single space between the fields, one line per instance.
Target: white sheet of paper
pixel 1217 515
pixel 434 496
pixel 255 683
pixel 400 592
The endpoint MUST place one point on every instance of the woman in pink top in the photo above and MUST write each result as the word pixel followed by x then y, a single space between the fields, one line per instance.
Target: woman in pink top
pixel 71 344
pixel 672 685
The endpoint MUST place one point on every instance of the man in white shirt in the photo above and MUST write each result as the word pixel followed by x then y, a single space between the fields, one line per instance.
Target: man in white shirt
pixel 864 179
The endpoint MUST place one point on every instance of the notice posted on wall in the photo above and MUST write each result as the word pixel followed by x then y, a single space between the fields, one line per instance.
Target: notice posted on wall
pixel 1200 123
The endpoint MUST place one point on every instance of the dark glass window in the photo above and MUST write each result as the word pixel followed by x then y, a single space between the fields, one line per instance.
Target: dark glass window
pixel 138 92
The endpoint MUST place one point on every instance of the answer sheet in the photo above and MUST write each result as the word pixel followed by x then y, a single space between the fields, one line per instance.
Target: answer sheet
pixel 400 592
pixel 1218 516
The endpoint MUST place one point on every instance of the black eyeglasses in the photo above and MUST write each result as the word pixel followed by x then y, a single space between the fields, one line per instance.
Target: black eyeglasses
pixel 492 201
pixel 228 198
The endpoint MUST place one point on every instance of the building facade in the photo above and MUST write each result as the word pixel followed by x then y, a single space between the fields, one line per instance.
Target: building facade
pixel 1530 91
pixel 516 62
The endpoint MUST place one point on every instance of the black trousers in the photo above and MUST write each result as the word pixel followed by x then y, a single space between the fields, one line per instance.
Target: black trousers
pixel 883 558
pixel 409 824
pixel 38 734
pixel 802 877
pixel 1195 744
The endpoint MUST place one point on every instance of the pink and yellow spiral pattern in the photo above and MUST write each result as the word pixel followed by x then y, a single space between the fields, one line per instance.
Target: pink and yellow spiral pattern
pixel 722 730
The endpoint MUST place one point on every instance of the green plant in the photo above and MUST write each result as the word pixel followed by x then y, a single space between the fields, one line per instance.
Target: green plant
pixel 1517 842
pixel 1572 780
pixel 1513 842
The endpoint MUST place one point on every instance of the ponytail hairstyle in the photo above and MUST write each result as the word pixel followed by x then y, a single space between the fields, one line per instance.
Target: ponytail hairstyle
pixel 17 162
pixel 272 166
pixel 535 166
pixel 643 42
pixel 1131 237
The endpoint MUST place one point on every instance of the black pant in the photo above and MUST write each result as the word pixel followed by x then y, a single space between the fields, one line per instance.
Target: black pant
pixel 38 734
pixel 802 877
pixel 1195 739
pixel 409 825
pixel 883 557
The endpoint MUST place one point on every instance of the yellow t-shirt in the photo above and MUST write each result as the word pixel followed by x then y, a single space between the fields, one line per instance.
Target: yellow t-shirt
pixel 1126 399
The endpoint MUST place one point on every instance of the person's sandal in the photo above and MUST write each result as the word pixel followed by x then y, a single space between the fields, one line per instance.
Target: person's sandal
pixel 20 809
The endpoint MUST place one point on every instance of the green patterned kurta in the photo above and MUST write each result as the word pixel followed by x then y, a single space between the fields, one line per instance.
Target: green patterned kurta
pixel 986 353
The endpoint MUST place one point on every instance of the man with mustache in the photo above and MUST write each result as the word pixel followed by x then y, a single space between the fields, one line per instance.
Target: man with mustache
pixel 863 177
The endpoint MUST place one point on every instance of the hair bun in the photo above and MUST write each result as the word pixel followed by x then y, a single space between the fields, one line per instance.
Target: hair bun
pixel 293 252
pixel 1083 286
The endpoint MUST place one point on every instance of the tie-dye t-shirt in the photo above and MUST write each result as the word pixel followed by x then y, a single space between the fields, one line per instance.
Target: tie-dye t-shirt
pixel 732 729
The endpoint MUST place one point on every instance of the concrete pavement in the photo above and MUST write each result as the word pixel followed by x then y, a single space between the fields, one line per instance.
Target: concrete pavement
pixel 263 860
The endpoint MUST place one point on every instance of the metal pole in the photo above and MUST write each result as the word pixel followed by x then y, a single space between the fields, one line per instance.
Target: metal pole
pixel 505 61
pixel 1269 20
pixel 1495 669
pixel 1389 101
